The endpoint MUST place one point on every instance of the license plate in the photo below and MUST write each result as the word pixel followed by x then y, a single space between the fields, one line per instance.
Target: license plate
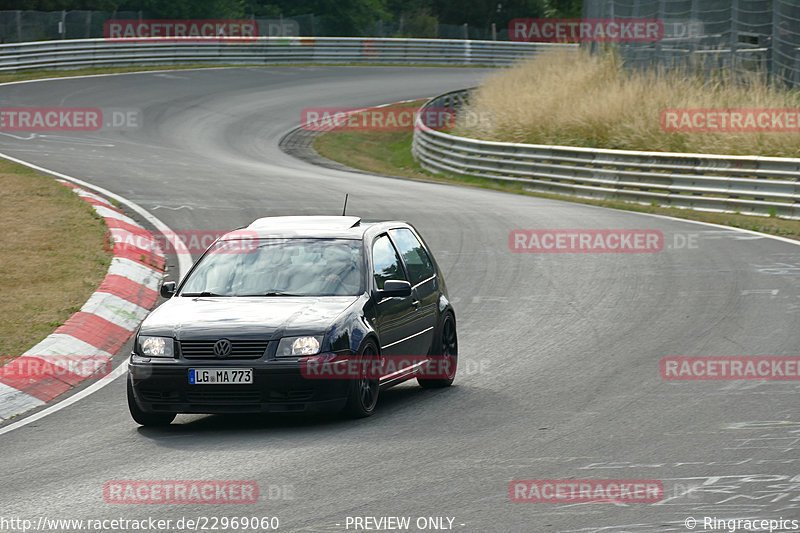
pixel 220 376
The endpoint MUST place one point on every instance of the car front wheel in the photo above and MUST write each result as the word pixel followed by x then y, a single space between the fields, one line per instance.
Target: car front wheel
pixel 364 391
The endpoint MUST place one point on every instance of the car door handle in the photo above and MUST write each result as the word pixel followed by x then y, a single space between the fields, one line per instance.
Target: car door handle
pixel 415 303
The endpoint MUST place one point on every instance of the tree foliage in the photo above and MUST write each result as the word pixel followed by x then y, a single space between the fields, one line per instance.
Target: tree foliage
pixel 350 16
pixel 566 9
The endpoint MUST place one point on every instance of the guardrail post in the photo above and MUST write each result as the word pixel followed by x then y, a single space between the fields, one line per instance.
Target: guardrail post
pixel 734 32
pixel 694 39
pixel 774 58
pixel 796 70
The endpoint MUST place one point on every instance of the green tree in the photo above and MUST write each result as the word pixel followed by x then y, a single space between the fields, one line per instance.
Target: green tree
pixel 59 5
pixel 563 9
pixel 190 9
pixel 482 13
pixel 165 9
pixel 343 17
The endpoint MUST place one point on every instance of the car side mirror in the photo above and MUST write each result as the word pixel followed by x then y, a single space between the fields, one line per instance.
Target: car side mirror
pixel 395 287
pixel 168 289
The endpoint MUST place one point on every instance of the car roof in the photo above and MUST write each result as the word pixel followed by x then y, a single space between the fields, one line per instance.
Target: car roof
pixel 304 222
pixel 314 226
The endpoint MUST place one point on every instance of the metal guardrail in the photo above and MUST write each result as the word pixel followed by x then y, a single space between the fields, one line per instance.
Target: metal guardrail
pixel 746 184
pixel 243 50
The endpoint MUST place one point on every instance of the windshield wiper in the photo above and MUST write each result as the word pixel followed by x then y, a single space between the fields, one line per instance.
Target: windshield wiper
pixel 279 293
pixel 204 293
pixel 273 293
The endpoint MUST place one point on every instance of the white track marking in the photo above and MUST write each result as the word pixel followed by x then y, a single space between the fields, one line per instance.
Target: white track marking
pixel 127 268
pixel 729 228
pixel 115 309
pixel 107 212
pixel 15 401
pixel 94 387
pixel 65 345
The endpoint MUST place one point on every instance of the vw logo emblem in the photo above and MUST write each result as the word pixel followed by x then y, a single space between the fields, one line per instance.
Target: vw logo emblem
pixel 222 348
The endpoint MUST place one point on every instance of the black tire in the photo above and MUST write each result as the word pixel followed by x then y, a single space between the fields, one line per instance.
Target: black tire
pixel 143 418
pixel 446 347
pixel 364 392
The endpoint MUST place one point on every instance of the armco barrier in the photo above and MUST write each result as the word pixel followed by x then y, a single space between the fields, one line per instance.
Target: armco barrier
pixel 156 51
pixel 746 184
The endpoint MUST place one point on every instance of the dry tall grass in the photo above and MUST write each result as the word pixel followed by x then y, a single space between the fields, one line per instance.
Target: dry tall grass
pixel 590 100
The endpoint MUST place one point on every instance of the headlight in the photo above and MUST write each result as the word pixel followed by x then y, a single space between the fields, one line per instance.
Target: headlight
pixel 156 346
pixel 299 346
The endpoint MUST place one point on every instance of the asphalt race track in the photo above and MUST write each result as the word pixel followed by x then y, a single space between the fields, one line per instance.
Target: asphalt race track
pixel 559 353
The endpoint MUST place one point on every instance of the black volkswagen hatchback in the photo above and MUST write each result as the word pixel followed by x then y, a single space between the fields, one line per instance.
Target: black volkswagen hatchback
pixel 296 314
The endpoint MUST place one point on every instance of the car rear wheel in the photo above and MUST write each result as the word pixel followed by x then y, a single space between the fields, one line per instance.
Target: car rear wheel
pixel 445 355
pixel 143 418
pixel 364 391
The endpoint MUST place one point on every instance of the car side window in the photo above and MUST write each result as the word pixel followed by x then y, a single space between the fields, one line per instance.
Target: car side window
pixel 419 264
pixel 385 261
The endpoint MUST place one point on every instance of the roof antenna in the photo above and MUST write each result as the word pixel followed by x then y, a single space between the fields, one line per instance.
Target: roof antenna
pixel 344 209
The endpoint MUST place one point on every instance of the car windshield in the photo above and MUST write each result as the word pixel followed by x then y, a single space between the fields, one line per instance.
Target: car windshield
pixel 278 267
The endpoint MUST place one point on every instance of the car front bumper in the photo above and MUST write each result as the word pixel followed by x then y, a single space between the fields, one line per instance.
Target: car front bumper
pixel 278 387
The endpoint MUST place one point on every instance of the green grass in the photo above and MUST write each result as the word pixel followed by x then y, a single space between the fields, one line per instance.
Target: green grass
pixel 52 256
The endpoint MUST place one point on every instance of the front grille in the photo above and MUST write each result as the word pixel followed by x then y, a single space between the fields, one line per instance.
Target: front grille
pixel 223 396
pixel 240 349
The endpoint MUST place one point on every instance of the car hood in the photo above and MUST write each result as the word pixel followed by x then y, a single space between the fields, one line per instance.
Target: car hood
pixel 187 317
